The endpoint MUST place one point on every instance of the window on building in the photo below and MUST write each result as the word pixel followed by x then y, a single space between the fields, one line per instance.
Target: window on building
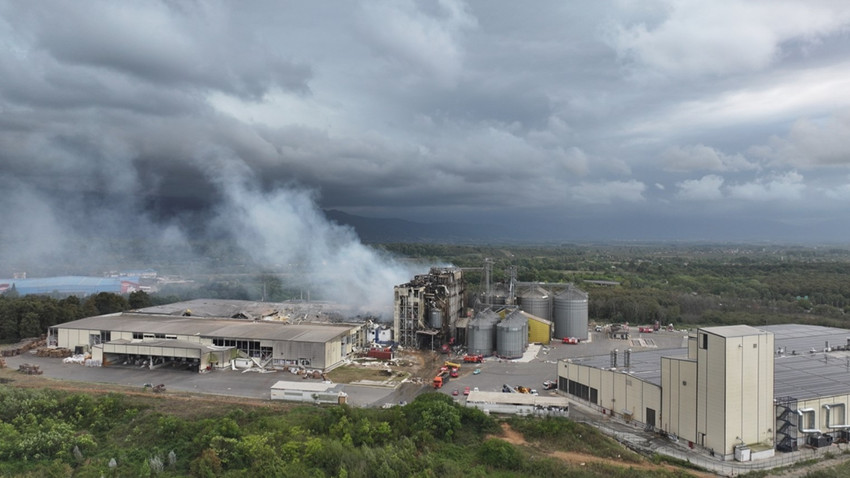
pixel 807 419
pixel 703 341
pixel 137 336
pixel 837 417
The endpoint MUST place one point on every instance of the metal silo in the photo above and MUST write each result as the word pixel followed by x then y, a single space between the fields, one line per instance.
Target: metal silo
pixel 536 301
pixel 481 333
pixel 497 296
pixel 512 336
pixel 571 314
pixel 435 318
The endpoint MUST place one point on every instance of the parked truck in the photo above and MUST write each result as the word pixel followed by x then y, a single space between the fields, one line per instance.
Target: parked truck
pixel 473 358
pixel 441 379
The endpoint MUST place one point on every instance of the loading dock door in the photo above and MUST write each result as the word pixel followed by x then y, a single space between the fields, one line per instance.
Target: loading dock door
pixel 650 417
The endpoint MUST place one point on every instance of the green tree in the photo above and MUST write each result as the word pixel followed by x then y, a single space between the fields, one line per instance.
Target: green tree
pixel 139 300
pixel 500 454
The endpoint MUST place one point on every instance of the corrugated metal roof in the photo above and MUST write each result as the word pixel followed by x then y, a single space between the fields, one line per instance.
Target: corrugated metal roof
pixel 644 365
pixel 212 327
pixel 293 310
pixel 306 386
pixel 165 343
pixel 517 399
pixel 798 373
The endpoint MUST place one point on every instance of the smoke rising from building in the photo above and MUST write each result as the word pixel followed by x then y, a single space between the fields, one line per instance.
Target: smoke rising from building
pixel 285 228
pixel 280 228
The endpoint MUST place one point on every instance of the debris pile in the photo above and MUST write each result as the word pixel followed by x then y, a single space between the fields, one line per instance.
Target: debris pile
pixel 24 347
pixel 54 353
pixel 30 369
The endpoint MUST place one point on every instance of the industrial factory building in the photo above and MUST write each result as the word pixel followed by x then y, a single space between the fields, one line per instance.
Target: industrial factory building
pixel 204 334
pixel 80 286
pixel 737 391
pixel 426 310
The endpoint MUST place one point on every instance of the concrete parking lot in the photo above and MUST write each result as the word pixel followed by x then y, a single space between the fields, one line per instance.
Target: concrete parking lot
pixel 529 372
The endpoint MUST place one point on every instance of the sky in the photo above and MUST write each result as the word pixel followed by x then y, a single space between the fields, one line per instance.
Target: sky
pixel 585 120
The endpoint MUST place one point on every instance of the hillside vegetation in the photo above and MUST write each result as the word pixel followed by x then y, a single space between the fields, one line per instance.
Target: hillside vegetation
pixel 51 433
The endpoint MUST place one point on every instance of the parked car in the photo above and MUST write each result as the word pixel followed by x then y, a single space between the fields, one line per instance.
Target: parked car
pixel 549 385
pixel 476 371
pixel 466 391
pixel 454 392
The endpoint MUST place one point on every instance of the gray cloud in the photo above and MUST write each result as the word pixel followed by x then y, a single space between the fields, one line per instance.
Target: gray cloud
pixel 423 110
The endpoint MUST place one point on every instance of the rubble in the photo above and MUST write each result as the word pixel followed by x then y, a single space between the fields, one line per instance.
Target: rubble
pixel 30 369
pixel 54 353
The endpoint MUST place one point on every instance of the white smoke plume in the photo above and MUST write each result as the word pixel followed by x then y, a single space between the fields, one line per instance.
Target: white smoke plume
pixel 284 228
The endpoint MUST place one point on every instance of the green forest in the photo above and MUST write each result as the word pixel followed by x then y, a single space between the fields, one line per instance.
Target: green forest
pixel 686 285
pixel 49 433
pixel 31 315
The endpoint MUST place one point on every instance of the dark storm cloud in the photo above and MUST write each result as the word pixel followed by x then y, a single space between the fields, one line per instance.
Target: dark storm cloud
pixel 127 116
pixel 169 47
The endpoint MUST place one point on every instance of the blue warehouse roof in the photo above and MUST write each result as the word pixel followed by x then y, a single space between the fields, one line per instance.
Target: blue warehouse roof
pixel 69 285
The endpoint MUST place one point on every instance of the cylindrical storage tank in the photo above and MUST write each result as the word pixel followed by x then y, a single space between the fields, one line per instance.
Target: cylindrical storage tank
pixel 497 296
pixel 435 318
pixel 512 336
pixel 481 333
pixel 571 314
pixel 536 301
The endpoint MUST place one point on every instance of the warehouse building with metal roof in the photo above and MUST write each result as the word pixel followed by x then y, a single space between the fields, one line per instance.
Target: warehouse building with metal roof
pixel 204 342
pixel 80 286
pixel 740 392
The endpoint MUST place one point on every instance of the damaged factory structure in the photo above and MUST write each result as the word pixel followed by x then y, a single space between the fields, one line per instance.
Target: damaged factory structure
pixel 427 309
pixel 203 334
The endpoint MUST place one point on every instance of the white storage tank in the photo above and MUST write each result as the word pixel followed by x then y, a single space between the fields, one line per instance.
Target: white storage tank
pixel 536 301
pixel 570 307
pixel 481 333
pixel 512 336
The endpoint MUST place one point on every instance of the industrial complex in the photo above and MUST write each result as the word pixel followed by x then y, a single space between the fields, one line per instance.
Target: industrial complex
pixel 735 392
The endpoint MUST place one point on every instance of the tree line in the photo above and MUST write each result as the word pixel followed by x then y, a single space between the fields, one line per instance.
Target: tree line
pixel 674 283
pixel 31 315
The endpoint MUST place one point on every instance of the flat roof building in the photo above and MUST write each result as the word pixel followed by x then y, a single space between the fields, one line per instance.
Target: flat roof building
pixel 732 387
pixel 207 340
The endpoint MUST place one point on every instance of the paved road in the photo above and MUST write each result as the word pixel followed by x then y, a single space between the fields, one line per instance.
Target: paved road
pixel 218 382
pixel 530 372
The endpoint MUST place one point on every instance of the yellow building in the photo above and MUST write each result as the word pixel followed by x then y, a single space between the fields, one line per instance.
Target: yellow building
pixel 539 330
